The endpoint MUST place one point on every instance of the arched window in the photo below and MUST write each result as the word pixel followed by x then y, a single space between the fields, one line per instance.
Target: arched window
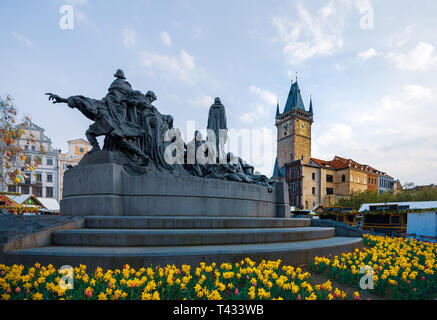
pixel 343 178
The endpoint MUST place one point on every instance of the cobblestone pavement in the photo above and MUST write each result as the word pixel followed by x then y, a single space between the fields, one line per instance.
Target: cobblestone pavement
pixel 13 227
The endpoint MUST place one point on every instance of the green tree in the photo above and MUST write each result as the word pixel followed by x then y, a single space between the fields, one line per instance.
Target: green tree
pixel 355 200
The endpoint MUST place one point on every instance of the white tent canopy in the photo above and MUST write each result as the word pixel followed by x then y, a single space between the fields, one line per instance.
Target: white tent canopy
pixel 406 205
pixel 49 205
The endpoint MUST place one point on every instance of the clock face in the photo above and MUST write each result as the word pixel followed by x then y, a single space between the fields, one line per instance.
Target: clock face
pixel 302 125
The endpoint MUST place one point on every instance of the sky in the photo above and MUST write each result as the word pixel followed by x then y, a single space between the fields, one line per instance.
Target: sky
pixel 369 66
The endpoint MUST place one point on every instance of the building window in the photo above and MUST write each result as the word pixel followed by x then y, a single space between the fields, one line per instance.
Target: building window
pixel 329 191
pixel 33 148
pixel 306 205
pixel 314 190
pixel 26 148
pixel 28 159
pixel 38 177
pixel 343 178
pixel 314 176
pixel 49 162
pixel 25 190
pixel 329 178
pixel 49 177
pixel 81 150
pixel 49 192
pixel 37 191
pixel 352 178
pixel 27 179
pixel 12 189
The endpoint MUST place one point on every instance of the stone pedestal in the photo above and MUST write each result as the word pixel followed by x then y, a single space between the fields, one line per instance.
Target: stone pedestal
pixel 105 188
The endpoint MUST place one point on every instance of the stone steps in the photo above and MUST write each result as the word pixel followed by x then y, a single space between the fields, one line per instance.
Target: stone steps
pixel 111 242
pixel 293 253
pixel 178 222
pixel 185 237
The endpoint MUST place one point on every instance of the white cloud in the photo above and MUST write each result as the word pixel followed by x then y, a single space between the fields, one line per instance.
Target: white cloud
pixel 420 58
pixel 165 38
pixel 27 42
pixel 248 117
pixel 327 11
pixel 362 5
pixel 368 54
pixel 309 36
pixel 418 92
pixel 400 131
pixel 400 39
pixel 266 96
pixel 203 101
pixel 267 102
pixel 182 67
pixel 129 37
pixel 336 131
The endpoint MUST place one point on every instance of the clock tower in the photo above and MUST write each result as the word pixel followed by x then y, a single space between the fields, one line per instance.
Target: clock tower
pixel 294 129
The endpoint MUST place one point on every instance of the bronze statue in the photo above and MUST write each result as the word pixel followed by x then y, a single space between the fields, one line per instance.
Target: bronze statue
pixel 110 118
pixel 217 124
pixel 133 126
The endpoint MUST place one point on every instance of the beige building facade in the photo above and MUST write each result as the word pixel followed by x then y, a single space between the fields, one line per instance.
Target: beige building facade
pixel 76 150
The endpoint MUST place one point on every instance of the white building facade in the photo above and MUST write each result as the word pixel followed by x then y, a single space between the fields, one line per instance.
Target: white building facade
pixel 43 182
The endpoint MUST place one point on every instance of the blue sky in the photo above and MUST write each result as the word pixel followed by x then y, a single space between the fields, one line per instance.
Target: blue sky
pixel 373 87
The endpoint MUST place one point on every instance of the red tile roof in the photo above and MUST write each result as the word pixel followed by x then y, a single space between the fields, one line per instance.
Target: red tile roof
pixel 342 163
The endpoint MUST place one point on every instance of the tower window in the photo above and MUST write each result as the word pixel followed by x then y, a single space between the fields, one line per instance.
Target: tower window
pixel 314 176
pixel 329 178
pixel 343 178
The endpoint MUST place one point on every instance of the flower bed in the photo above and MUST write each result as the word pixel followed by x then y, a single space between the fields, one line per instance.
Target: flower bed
pixel 402 268
pixel 243 281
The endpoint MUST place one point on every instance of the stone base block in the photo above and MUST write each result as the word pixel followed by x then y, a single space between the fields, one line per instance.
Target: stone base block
pixel 107 189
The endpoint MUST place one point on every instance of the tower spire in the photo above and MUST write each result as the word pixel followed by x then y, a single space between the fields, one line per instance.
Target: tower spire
pixel 277 108
pixel 311 104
